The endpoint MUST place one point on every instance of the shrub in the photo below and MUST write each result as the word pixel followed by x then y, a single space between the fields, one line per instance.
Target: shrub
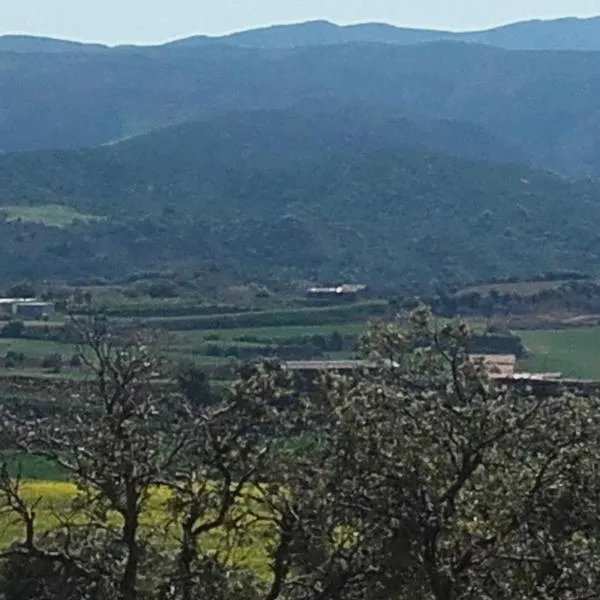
pixel 75 360
pixel 13 359
pixel 13 329
pixel 53 362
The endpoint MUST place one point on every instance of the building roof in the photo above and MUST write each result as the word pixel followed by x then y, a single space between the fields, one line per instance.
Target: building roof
pixel 20 301
pixel 329 365
pixel 340 289
pixel 497 365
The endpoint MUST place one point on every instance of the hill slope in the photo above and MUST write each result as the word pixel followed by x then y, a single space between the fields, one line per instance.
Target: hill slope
pixel 546 104
pixel 397 219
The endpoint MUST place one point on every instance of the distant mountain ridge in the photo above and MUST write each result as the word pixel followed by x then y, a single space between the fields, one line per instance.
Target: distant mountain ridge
pixel 544 105
pixel 569 33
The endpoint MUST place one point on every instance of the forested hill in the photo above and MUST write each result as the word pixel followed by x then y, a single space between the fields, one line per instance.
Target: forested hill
pixel 546 105
pixel 267 210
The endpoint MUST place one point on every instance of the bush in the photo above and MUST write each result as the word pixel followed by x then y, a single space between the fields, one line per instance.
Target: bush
pixel 53 362
pixel 13 359
pixel 75 361
pixel 195 385
pixel 22 290
pixel 13 329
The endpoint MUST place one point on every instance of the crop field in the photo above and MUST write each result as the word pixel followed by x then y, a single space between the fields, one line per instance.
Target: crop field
pixel 573 352
pixel 35 348
pixel 53 501
pixel 327 315
pixel 269 334
pixel 52 215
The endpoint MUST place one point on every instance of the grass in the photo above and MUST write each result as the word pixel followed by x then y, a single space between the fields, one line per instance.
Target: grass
pixel 52 215
pixel 35 348
pixel 573 352
pixel 43 374
pixel 338 315
pixel 268 334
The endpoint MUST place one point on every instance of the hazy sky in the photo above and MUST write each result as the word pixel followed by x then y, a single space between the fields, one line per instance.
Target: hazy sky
pixel 147 21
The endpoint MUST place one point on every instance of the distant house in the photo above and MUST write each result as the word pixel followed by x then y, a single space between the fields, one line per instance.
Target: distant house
pixel 497 365
pixel 340 292
pixel 26 308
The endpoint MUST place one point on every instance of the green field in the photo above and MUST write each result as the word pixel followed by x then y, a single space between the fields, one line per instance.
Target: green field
pixel 35 348
pixel 52 215
pixel 268 334
pixel 573 352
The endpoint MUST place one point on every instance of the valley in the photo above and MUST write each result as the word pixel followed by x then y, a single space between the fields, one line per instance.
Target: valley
pixel 304 312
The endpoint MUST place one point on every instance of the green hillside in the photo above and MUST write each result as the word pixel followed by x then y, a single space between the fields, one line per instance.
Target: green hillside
pixel 258 200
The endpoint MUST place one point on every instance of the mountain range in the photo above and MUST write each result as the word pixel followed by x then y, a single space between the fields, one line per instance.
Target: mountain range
pixel 304 153
pixel 559 34
pixel 543 103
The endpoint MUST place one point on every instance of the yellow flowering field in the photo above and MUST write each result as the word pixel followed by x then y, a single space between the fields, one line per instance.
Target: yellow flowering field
pixel 52 502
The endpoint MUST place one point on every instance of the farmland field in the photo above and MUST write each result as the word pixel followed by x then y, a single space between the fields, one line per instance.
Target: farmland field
pixel 53 501
pixel 52 215
pixel 35 348
pixel 573 352
pixel 266 334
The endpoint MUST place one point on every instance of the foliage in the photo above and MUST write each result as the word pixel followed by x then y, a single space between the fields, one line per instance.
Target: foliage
pixel 13 359
pixel 195 385
pixel 53 362
pixel 309 203
pixel 13 329
pixel 22 290
pixel 419 479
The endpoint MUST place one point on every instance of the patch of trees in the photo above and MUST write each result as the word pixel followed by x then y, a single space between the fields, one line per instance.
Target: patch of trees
pixel 579 294
pixel 421 480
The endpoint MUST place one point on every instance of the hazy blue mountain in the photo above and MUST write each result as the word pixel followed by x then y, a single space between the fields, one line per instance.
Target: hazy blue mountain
pixel 561 34
pixel 34 44
pixel 317 33
pixel 545 104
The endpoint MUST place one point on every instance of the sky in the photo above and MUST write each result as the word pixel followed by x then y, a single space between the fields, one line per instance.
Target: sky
pixel 155 21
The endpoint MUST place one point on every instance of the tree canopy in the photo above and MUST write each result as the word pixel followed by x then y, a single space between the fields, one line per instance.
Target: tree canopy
pixel 420 479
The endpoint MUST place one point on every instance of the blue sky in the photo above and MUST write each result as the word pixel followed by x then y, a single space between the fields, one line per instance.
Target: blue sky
pixel 152 21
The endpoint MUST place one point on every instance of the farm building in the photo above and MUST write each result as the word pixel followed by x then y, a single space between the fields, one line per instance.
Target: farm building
pixel 498 366
pixel 340 292
pixel 26 308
